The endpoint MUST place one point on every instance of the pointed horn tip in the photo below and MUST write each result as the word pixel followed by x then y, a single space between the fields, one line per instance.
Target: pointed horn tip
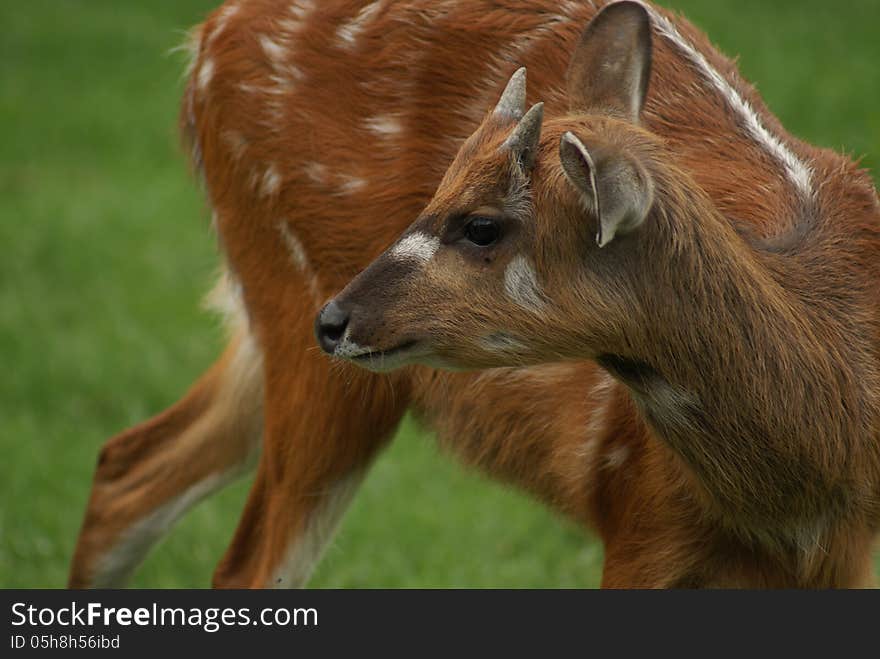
pixel 526 124
pixel 535 115
pixel 537 108
pixel 513 98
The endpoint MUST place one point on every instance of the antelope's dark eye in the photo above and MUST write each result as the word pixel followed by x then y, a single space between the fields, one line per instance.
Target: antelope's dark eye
pixel 482 231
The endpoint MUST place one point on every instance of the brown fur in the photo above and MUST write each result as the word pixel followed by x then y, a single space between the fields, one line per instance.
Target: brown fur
pixel 778 486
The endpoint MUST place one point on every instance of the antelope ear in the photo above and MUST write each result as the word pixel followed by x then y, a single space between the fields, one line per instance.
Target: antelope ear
pixel 617 191
pixel 611 65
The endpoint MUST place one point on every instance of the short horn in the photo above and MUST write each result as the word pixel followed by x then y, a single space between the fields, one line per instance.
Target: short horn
pixel 523 141
pixel 512 104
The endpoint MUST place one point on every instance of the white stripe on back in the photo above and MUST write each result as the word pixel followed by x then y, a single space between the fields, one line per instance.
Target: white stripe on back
pixel 798 172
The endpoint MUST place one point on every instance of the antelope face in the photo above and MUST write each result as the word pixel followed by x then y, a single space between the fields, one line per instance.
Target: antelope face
pixel 464 268
pixel 502 264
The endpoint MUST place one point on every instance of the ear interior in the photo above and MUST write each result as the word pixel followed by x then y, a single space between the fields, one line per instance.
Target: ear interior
pixel 615 189
pixel 611 66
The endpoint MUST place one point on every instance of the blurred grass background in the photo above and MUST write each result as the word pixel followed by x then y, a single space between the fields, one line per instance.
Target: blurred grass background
pixel 106 253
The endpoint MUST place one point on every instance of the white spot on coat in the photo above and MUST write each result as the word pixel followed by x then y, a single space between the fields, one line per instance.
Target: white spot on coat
pixel 206 72
pixel 295 248
pixel 316 172
pixel 274 51
pixel 300 9
pixel 271 182
pixel 350 184
pixel 416 246
pixel 227 300
pixel 300 260
pixel 223 17
pixel 191 47
pixel 383 126
pixel 348 32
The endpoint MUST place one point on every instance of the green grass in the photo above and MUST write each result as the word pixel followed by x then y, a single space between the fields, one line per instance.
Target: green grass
pixel 106 254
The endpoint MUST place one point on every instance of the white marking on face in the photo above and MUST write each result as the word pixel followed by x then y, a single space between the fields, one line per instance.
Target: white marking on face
pixel 300 260
pixel 379 361
pixel 383 126
pixel 798 172
pixel 206 72
pixel 348 32
pixel 521 284
pixel 307 546
pixel 416 246
pixel 346 348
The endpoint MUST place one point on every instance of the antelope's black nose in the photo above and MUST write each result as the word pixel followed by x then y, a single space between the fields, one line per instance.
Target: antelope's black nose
pixel 330 326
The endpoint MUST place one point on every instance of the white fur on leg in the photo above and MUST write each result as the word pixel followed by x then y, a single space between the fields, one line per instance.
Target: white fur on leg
pixel 236 411
pixel 115 567
pixel 306 549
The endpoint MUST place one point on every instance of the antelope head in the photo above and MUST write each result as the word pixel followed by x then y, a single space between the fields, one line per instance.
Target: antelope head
pixel 528 249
